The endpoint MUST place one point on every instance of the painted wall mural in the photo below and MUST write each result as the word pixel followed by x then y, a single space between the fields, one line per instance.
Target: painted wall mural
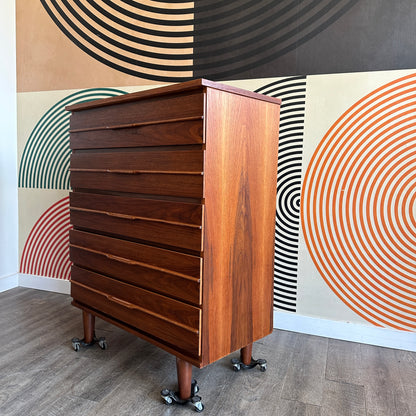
pixel 345 69
pixel 292 91
pixel 358 206
pixel 46 249
pixel 44 165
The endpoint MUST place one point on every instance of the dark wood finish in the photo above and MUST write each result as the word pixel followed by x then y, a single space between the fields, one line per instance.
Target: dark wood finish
pixel 170 331
pixel 173 310
pixel 188 161
pixel 181 236
pixel 246 353
pixel 153 109
pixel 88 320
pixel 166 132
pixel 173 208
pixel 240 200
pixel 179 264
pixel 169 211
pixel 182 185
pixel 184 371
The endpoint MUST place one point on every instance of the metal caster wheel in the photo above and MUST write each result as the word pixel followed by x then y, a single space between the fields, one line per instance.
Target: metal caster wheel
pixel 102 343
pixel 166 397
pixel 76 344
pixel 236 364
pixel 263 367
pixel 194 388
pixel 170 397
pixel 198 406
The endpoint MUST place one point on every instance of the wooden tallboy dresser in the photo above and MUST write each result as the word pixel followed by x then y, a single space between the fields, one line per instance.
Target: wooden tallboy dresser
pixel 173 210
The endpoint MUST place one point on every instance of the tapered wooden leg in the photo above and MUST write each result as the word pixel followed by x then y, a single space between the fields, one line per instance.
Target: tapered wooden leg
pixel 246 354
pixel 89 326
pixel 184 370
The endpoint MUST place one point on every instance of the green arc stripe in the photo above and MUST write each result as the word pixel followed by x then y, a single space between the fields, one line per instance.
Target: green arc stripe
pixel 45 159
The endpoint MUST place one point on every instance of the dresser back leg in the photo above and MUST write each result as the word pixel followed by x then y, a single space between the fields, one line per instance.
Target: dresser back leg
pixel 89 326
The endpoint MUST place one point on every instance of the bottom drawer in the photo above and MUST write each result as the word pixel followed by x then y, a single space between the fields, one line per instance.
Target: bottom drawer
pixel 167 320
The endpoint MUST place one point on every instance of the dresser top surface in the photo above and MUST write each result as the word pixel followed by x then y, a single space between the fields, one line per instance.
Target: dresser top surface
pixel 171 89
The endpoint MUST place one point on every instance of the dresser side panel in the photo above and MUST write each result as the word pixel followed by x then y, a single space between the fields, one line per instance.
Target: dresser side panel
pixel 240 202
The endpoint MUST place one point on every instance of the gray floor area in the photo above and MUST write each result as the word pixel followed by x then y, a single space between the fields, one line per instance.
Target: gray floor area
pixel 40 373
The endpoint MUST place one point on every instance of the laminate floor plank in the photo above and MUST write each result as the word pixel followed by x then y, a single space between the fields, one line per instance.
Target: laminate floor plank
pixel 381 376
pixel 343 399
pixel 344 362
pixel 41 375
pixel 304 380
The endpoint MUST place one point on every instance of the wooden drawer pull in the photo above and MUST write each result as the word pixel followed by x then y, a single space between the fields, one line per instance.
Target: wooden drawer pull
pixel 129 305
pixel 121 259
pixel 122 302
pixel 124 216
pixel 142 124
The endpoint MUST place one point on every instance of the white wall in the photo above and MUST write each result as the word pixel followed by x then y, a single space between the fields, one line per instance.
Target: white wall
pixel 8 146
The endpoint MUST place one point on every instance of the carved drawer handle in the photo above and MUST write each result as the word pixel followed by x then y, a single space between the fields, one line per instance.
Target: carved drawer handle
pixel 123 216
pixel 121 259
pixel 122 302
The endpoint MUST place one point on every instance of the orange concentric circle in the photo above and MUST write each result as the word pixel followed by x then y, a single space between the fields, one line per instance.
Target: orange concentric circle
pixel 358 206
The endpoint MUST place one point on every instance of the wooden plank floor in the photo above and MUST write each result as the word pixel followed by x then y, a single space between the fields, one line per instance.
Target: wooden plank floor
pixel 41 375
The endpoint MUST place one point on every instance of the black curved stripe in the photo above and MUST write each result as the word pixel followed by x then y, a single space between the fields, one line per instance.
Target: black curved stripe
pixel 104 58
pixel 288 186
pixel 228 36
pixel 268 45
pixel 139 17
pixel 120 45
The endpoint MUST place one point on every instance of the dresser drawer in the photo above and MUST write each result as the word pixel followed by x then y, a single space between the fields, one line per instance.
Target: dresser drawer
pixel 170 107
pixel 181 185
pixel 166 234
pixel 175 274
pixel 166 319
pixel 129 207
pixel 187 161
pixel 162 133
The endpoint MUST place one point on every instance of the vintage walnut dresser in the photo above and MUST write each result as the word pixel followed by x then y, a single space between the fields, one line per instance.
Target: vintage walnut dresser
pixel 173 210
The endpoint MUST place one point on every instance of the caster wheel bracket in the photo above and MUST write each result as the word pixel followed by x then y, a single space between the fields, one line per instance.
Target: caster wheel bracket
pixel 239 365
pixel 78 343
pixel 170 397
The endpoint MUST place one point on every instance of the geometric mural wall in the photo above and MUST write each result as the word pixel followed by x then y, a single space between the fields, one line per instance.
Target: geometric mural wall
pixel 292 91
pixel 45 159
pixel 345 204
pixel 44 164
pixel 359 206
pixel 46 249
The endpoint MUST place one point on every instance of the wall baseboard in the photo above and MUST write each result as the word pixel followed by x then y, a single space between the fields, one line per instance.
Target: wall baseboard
pixel 44 283
pixel 365 334
pixel 9 282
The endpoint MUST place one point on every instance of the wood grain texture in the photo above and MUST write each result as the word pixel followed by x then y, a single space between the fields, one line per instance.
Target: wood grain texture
pixel 190 161
pixel 179 236
pixel 240 191
pixel 168 184
pixel 162 134
pixel 128 111
pixel 42 375
pixel 169 211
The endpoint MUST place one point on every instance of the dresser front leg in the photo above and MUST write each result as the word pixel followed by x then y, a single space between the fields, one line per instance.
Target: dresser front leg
pixel 88 320
pixel 187 388
pixel 184 372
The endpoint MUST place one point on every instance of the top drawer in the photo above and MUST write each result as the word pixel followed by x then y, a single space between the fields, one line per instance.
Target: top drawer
pixel 158 133
pixel 177 106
